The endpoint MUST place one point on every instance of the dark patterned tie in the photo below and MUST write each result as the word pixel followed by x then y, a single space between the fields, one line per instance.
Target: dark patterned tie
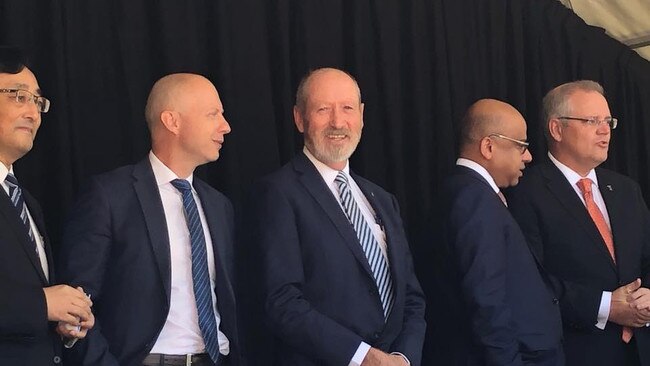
pixel 369 244
pixel 16 196
pixel 200 273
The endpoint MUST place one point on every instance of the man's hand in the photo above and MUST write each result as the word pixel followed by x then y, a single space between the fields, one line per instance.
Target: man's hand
pixel 640 301
pixel 625 311
pixel 376 357
pixel 69 305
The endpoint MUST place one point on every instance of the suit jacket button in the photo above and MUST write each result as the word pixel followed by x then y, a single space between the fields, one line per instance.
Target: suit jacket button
pixel 57 360
pixel 556 301
pixel 375 336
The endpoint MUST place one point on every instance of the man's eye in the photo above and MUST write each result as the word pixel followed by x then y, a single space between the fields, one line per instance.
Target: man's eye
pixel 21 98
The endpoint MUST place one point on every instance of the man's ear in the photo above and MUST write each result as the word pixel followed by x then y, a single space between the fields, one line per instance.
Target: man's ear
pixel 297 118
pixel 486 147
pixel 555 128
pixel 171 121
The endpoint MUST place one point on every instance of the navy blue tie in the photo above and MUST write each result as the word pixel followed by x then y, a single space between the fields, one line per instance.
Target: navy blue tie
pixel 200 273
pixel 16 196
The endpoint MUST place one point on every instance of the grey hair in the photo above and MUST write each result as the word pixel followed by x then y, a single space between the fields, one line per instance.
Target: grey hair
pixel 556 101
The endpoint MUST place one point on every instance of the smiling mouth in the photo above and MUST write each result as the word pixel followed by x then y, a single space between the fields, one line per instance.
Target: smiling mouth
pixel 337 137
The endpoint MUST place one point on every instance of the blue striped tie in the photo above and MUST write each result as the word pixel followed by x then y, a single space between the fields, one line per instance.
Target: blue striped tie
pixel 376 259
pixel 200 273
pixel 16 196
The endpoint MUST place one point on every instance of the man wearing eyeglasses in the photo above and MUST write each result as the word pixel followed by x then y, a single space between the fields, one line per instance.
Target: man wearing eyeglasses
pixel 508 311
pixel 30 303
pixel 591 229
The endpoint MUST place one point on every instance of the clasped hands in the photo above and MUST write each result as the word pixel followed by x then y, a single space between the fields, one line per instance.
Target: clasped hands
pixel 71 308
pixel 630 305
pixel 376 357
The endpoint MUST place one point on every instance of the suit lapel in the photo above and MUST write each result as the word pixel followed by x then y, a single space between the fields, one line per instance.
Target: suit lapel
pixel 566 195
pixel 607 189
pixel 10 213
pixel 148 195
pixel 219 232
pixel 314 184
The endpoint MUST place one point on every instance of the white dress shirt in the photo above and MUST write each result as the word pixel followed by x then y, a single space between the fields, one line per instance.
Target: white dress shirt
pixel 329 175
pixel 40 243
pixel 181 333
pixel 573 178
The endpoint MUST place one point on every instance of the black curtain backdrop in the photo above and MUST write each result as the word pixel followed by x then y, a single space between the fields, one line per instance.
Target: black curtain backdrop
pixel 419 63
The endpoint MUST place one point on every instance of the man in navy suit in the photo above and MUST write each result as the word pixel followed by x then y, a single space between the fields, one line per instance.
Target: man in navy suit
pixel 509 314
pixel 591 229
pixel 30 303
pixel 337 270
pixel 152 243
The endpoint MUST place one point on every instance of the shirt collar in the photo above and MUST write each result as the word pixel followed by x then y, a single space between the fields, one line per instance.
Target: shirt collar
pixel 328 174
pixel 162 173
pixel 4 171
pixel 571 175
pixel 480 170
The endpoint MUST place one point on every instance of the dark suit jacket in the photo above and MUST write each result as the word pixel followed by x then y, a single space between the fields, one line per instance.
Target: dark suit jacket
pixel 26 337
pixel 509 313
pixel 561 232
pixel 117 248
pixel 321 298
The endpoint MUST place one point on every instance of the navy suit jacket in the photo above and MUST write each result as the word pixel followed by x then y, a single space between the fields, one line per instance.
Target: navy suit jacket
pixel 321 298
pixel 509 313
pixel 561 232
pixel 117 248
pixel 26 336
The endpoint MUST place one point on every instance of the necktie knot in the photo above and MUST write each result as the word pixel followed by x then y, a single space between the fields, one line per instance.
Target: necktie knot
pixel 182 185
pixel 11 180
pixel 585 185
pixel 341 179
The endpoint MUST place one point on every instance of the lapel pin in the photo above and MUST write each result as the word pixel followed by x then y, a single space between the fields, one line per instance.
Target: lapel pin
pixel 609 188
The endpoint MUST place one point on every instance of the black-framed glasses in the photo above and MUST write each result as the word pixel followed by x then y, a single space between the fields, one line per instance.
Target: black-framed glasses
pixel 23 96
pixel 521 145
pixel 593 121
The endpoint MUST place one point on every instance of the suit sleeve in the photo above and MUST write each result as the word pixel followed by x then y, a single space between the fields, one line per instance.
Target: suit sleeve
pixel 479 241
pixel 579 303
pixel 411 339
pixel 23 312
pixel 84 256
pixel 288 313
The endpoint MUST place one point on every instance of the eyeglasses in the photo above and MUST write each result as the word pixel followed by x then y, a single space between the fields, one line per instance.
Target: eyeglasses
pixel 521 145
pixel 23 97
pixel 593 121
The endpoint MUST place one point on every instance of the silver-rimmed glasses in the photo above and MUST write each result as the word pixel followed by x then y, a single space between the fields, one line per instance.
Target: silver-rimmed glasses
pixel 593 121
pixel 23 97
pixel 521 145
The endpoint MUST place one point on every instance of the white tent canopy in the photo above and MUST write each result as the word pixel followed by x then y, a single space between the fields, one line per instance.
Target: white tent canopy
pixel 625 20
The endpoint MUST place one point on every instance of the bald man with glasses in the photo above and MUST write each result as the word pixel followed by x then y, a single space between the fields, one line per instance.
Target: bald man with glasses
pixel 508 311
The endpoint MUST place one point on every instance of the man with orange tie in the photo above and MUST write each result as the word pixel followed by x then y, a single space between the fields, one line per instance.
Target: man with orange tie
pixel 591 228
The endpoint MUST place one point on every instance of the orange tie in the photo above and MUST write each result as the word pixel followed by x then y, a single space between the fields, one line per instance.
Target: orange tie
pixel 597 216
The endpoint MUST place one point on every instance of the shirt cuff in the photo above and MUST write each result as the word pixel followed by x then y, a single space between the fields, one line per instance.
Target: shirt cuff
pixel 402 355
pixel 603 309
pixel 360 354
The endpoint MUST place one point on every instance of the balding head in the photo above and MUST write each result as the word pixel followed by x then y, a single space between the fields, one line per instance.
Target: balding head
pixel 493 134
pixel 482 118
pixel 186 119
pixel 304 88
pixel 170 94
